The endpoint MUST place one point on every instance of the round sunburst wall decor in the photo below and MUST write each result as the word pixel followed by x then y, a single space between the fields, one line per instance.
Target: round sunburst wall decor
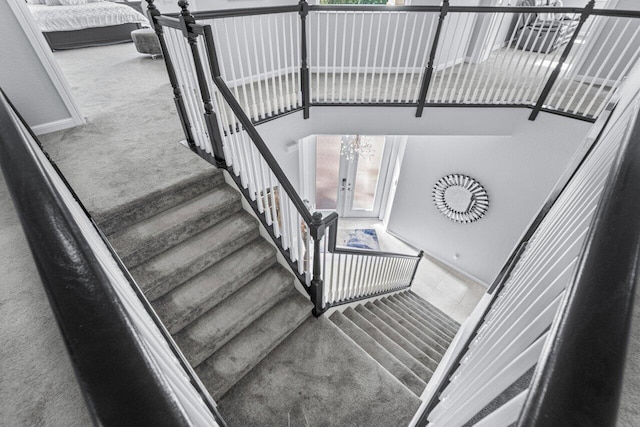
pixel 460 198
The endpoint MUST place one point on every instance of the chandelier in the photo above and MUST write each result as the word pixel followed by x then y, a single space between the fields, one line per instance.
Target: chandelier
pixel 356 145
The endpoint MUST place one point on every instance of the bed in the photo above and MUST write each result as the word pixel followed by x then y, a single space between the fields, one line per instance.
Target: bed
pixel 89 24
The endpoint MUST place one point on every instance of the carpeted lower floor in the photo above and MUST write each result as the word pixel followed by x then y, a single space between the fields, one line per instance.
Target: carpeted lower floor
pixel 129 145
pixel 318 377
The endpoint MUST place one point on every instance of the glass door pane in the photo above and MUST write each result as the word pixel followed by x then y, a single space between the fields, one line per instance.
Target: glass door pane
pixel 367 175
pixel 327 172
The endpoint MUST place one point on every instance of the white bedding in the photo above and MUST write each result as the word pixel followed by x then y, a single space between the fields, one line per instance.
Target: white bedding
pixel 89 15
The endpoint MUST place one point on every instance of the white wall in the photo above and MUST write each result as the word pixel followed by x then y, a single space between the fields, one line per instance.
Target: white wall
pixel 517 171
pixel 518 161
pixel 25 80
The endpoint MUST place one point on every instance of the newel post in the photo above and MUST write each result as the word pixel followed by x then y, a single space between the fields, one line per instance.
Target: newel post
pixel 188 21
pixel 304 65
pixel 317 285
pixel 153 13
pixel 428 72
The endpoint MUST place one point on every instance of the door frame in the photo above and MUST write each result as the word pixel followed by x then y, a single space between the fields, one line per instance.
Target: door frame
pixel 307 161
pixel 45 55
pixel 352 167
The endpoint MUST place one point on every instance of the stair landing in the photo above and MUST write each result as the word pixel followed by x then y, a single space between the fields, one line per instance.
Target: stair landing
pixel 318 377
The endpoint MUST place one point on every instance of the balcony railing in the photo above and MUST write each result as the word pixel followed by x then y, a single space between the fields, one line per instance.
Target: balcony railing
pixel 568 61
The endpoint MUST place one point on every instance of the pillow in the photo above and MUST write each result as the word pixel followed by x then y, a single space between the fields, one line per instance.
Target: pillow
pixel 52 2
pixel 72 2
pixel 36 2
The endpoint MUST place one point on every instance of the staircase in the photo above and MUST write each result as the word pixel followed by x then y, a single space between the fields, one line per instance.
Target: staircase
pixel 214 282
pixel 403 333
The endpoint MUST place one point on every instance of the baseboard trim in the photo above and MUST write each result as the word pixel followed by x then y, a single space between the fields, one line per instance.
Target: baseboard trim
pixel 54 126
pixel 454 270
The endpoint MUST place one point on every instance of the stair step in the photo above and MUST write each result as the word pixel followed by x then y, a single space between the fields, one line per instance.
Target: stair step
pixel 419 309
pixel 432 308
pixel 423 326
pixel 396 351
pixel 137 210
pixel 399 339
pixel 175 266
pixel 432 351
pixel 198 295
pixel 423 321
pixel 377 352
pixel 155 234
pixel 205 335
pixel 407 324
pixel 242 353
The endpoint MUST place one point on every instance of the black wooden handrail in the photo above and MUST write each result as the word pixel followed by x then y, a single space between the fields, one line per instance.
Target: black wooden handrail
pixel 120 383
pixel 579 378
pixel 228 13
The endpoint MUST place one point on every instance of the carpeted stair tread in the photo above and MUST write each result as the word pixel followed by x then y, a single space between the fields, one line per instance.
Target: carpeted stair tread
pixel 410 325
pixel 424 321
pixel 432 308
pixel 445 326
pixel 423 326
pixel 199 294
pixel 166 271
pixel 121 217
pixel 244 351
pixel 426 308
pixel 153 235
pixel 212 330
pixel 396 351
pixel 400 340
pixel 377 352
pixel 433 351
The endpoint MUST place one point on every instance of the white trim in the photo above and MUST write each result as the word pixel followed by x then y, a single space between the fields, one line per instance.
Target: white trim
pixel 54 126
pixel 437 258
pixel 42 50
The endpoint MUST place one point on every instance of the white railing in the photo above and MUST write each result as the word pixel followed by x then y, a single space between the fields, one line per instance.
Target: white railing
pixel 368 57
pixel 598 64
pixel 259 60
pixel 184 68
pixel 500 359
pixel 482 57
pixel 176 380
pixel 350 275
pixel 508 62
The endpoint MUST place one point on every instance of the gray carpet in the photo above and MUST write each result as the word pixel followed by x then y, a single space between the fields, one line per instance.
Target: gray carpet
pixel 317 377
pixel 129 145
pixel 37 383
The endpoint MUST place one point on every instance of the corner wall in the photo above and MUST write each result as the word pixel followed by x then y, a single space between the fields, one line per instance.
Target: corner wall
pixel 25 80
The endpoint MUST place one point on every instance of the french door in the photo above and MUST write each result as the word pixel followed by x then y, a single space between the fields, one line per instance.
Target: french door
pixel 352 186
